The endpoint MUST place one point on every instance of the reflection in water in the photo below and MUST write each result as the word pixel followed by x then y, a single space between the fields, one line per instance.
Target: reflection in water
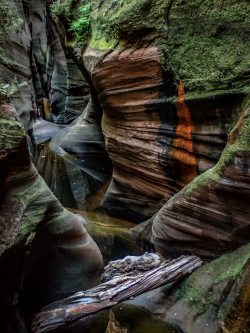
pixel 74 163
pixel 111 235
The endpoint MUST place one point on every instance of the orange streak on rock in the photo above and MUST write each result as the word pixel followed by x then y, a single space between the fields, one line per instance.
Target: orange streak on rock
pixel 46 106
pixel 183 151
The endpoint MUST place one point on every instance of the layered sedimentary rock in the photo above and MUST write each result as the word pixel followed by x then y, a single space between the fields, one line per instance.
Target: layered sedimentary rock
pixel 42 244
pixel 142 57
pixel 62 91
pixel 37 71
pixel 47 84
pixel 129 86
pixel 211 214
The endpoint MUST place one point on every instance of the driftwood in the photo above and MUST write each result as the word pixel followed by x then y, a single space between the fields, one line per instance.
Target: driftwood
pixel 121 287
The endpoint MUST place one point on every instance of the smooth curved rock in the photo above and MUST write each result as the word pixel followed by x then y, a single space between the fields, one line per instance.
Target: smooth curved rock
pixel 43 246
pixel 74 164
pixel 43 79
pixel 62 92
pixel 158 137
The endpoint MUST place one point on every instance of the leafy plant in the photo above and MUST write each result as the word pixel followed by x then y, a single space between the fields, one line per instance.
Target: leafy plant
pixel 81 25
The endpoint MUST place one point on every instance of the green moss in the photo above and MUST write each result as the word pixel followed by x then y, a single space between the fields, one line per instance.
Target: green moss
pixel 102 44
pixel 2 248
pixel 8 90
pixel 76 18
pixel 34 215
pixel 11 134
pixel 199 37
pixel 241 144
pixel 10 20
pixel 202 44
pixel 232 120
pixel 8 62
pixel 4 96
pixel 116 22
pixel 209 176
pixel 227 267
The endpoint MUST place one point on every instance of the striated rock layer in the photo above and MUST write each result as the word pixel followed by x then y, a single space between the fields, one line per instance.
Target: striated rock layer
pixel 41 77
pixel 156 148
pixel 211 214
pixel 61 90
pixel 129 86
pixel 158 138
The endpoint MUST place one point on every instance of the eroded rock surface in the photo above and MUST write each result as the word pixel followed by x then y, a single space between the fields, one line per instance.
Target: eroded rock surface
pixel 43 246
pixel 40 75
pixel 142 57
pixel 210 215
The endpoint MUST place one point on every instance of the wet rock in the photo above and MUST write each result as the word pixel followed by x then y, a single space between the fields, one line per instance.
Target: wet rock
pixel 143 321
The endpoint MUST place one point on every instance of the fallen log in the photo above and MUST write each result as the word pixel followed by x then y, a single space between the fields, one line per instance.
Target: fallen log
pixel 121 287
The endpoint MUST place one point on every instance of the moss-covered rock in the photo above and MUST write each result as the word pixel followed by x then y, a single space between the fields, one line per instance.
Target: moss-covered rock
pixel 238 142
pixel 199 38
pixel 216 296
pixel 214 299
pixel 208 44
pixel 124 22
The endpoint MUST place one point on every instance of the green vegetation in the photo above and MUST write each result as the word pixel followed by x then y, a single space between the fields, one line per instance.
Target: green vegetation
pixel 7 61
pixel 232 121
pixel 11 134
pixel 230 266
pixel 119 22
pixel 209 176
pixel 9 18
pixel 7 90
pixel 81 24
pixel 4 95
pixel 208 44
pixel 61 8
pixel 242 143
pixel 78 18
pixel 11 22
